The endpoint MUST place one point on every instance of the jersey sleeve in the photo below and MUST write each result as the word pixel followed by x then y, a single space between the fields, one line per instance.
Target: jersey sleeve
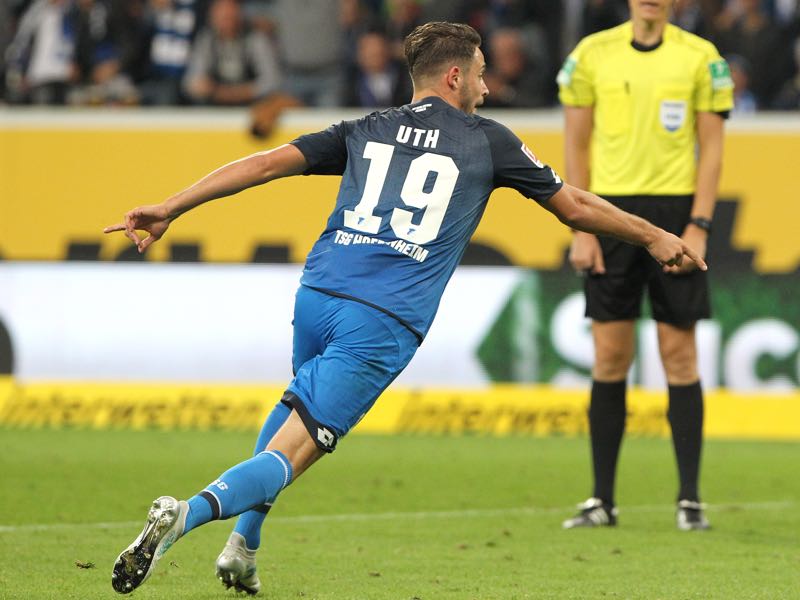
pixel 714 86
pixel 325 151
pixel 575 79
pixel 516 167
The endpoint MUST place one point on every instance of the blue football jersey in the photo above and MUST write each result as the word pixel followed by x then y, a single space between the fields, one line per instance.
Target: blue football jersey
pixel 415 183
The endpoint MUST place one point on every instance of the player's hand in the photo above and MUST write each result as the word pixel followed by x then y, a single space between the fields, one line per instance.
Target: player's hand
pixel 695 238
pixel 585 254
pixel 669 250
pixel 154 219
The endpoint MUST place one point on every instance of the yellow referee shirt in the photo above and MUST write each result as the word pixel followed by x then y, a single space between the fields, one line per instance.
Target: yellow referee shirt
pixel 643 138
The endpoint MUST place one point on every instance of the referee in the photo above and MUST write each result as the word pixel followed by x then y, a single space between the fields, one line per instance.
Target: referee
pixel 639 99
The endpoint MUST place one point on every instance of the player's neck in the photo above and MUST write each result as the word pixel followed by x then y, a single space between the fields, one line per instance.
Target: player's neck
pixel 648 33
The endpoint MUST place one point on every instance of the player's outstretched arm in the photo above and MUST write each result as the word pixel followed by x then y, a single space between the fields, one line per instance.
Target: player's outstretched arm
pixel 253 170
pixel 586 212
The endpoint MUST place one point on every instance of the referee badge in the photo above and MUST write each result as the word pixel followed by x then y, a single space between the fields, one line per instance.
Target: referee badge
pixel 720 75
pixel 673 114
pixel 567 69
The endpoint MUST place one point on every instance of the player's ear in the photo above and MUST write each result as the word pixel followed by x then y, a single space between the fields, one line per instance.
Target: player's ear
pixel 453 77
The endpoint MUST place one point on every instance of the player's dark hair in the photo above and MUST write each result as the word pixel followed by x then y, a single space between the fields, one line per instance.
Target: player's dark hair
pixel 432 45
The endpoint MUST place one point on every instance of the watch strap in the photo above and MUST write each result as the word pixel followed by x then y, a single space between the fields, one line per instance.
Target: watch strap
pixel 702 223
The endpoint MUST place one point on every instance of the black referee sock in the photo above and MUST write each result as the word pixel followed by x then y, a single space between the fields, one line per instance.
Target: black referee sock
pixel 606 425
pixel 686 418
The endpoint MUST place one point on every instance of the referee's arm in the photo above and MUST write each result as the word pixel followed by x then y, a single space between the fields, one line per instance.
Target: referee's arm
pixel 710 133
pixel 578 125
pixel 709 164
pixel 585 253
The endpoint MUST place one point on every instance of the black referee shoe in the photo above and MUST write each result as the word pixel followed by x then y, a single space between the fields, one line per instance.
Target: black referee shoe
pixel 593 513
pixel 690 516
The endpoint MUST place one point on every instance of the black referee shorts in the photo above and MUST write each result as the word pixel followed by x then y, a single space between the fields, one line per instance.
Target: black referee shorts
pixel 617 295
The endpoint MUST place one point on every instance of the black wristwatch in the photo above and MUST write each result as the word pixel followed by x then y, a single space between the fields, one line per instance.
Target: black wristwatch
pixel 702 223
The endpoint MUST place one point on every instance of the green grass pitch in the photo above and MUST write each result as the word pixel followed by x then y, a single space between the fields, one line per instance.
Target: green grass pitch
pixel 404 518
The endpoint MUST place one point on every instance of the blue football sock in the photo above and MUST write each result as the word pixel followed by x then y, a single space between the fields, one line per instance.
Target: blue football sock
pixel 253 483
pixel 249 523
pixel 199 513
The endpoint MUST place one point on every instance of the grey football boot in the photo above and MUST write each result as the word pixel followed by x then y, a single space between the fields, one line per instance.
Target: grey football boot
pixel 236 566
pixel 165 524
pixel 690 516
pixel 593 513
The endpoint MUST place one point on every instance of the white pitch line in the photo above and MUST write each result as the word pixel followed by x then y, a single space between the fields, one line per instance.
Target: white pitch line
pixel 434 514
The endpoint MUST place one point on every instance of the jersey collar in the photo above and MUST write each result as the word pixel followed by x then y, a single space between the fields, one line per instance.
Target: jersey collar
pixel 436 103
pixel 669 32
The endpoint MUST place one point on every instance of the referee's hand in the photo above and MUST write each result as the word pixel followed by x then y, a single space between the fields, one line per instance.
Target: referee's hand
pixel 669 250
pixel 585 254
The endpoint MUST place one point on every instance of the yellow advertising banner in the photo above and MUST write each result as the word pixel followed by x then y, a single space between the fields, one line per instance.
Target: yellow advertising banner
pixel 497 410
pixel 65 178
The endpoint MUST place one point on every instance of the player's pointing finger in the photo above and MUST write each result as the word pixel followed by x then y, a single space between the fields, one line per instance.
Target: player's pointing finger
pixel 695 257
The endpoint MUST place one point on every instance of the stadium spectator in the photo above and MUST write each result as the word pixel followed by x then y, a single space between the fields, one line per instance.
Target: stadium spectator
pixel 571 25
pixel 746 29
pixel 128 29
pixel 7 22
pixel 98 75
pixel 462 11
pixel 540 23
pixel 40 58
pixel 169 28
pixel 785 12
pixel 149 42
pixel 744 101
pixel 516 80
pixel 311 48
pixel 258 15
pixel 402 16
pixel 64 51
pixel 356 20
pixel 599 15
pixel 377 80
pixel 639 98
pixel 689 16
pixel 229 64
pixel 374 279
pixel 789 95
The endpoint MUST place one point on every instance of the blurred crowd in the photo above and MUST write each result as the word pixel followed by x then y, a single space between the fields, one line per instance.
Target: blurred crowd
pixel 334 53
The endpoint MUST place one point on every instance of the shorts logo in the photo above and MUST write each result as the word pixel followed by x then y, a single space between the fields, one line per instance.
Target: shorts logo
pixel 325 437
pixel 673 114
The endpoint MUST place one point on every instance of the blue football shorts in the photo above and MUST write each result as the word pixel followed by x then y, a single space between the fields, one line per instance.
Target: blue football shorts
pixel 344 355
